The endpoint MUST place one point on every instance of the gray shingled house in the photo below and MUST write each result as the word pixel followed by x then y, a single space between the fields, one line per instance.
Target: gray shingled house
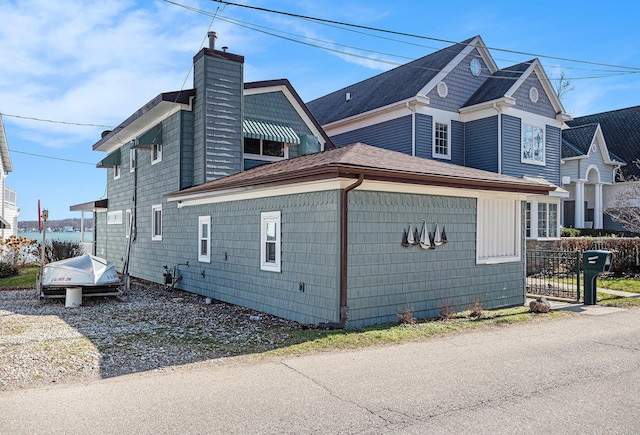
pixel 236 191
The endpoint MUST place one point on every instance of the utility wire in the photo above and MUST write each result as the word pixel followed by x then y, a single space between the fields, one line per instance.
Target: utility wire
pixel 55 122
pixel 51 157
pixel 259 29
pixel 411 35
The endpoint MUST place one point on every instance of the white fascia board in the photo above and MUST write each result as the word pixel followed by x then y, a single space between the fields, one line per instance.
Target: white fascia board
pixel 385 113
pixel 481 110
pixel 258 192
pixel 299 110
pixel 157 114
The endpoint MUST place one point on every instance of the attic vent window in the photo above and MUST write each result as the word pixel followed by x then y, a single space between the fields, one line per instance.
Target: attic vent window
pixel 442 89
pixel 475 67
pixel 533 94
pixel 347 96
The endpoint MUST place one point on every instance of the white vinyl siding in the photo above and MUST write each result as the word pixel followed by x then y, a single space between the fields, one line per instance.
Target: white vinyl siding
pixel 499 231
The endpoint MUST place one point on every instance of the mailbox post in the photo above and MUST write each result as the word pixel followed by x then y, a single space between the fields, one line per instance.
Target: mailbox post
pixel 594 263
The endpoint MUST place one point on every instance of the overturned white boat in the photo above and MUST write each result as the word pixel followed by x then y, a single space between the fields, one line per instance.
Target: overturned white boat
pixel 83 271
pixel 73 278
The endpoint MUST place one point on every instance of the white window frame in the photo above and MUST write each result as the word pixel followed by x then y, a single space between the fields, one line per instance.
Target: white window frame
pixel 156 233
pixel 127 221
pixel 204 239
pixel 116 172
pixel 533 160
pixel 114 217
pixel 156 153
pixel 535 232
pixel 132 160
pixel 266 219
pixel 499 229
pixel 434 151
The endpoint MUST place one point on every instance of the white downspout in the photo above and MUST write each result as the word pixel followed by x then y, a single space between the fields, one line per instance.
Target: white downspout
pixel 499 110
pixel 413 128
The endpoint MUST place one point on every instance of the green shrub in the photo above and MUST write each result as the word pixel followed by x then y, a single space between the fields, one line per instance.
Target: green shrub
pixel 7 270
pixel 570 232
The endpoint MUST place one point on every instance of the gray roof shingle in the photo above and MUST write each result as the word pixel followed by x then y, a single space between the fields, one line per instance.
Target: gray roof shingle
pixel 398 84
pixel 621 130
pixel 498 84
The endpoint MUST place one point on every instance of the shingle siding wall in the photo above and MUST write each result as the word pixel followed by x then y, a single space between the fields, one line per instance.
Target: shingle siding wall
pixel 384 276
pixel 218 118
pixel 481 145
pixel 393 135
pixel 542 107
pixel 309 255
pixel 187 163
pixel 461 84
pixel 511 152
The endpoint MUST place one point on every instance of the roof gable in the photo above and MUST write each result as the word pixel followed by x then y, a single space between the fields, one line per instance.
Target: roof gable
pixel 506 85
pixel 398 84
pixel 621 130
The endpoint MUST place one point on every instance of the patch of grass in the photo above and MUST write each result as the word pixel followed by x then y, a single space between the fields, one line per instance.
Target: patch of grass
pixel 622 284
pixel 316 340
pixel 26 279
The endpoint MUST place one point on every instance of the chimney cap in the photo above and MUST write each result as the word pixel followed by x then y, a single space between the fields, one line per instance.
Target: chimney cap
pixel 212 39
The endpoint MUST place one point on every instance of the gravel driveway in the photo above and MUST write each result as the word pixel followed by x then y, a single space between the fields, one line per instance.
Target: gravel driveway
pixel 42 342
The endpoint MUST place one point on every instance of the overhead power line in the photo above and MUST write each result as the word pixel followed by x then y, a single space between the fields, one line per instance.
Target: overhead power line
pixel 50 157
pixel 411 35
pixel 55 122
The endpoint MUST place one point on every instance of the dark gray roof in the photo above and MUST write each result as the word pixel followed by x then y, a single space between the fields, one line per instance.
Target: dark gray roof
pixel 621 130
pixel 398 84
pixel 576 141
pixel 498 84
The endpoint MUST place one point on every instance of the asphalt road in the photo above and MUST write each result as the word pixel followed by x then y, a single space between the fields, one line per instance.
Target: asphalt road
pixel 572 375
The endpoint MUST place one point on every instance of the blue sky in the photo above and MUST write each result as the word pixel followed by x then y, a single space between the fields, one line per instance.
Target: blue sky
pixel 86 62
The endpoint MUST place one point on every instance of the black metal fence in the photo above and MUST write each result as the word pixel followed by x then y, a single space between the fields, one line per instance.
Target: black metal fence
pixel 553 273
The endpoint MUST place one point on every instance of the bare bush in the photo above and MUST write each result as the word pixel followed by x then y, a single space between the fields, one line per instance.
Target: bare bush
pixel 405 315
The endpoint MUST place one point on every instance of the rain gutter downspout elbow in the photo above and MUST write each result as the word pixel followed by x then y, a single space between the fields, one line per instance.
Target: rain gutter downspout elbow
pixel 344 233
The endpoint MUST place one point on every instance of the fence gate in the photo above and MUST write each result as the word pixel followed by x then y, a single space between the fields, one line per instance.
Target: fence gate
pixel 553 273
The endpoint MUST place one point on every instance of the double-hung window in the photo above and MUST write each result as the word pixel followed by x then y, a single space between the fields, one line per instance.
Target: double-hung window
pixel 116 172
pixel 204 239
pixel 156 222
pixel 441 140
pixel 270 241
pixel 533 145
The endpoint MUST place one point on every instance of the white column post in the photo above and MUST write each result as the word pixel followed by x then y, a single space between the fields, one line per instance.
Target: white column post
pixel 597 211
pixel 579 221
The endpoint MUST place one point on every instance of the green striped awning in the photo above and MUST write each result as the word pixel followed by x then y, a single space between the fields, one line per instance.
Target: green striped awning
pixel 269 131
pixel 110 161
